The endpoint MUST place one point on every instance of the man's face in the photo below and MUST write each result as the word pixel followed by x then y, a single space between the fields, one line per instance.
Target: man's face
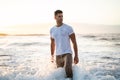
pixel 59 17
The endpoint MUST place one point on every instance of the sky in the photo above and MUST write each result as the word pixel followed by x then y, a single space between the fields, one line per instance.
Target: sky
pixel 17 15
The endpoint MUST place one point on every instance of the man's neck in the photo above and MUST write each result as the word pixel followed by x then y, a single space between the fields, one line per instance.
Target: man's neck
pixel 59 24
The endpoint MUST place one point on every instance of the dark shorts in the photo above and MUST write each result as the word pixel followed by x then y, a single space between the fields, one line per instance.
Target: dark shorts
pixel 65 61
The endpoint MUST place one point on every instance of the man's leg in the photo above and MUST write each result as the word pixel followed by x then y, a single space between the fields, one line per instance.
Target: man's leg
pixel 59 61
pixel 68 65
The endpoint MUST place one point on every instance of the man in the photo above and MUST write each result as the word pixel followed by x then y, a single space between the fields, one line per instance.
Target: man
pixel 61 34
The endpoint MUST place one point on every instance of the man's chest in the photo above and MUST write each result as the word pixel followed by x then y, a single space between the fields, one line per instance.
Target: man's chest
pixel 60 33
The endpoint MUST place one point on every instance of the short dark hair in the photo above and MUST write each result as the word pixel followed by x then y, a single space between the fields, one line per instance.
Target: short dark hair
pixel 57 12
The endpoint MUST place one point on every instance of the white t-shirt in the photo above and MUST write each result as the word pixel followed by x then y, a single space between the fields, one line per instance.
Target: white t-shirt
pixel 61 37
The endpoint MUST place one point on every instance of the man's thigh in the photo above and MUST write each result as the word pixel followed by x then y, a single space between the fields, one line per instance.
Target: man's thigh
pixel 68 60
pixel 59 61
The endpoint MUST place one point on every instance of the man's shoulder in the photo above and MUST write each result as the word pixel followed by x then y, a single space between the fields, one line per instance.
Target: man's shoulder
pixel 67 26
pixel 52 29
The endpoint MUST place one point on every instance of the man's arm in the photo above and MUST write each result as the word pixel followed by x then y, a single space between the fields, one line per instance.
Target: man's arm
pixel 52 49
pixel 73 39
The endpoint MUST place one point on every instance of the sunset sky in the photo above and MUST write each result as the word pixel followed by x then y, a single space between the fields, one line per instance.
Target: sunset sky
pixel 29 16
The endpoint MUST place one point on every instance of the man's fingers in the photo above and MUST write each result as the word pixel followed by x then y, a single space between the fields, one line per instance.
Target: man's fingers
pixel 52 59
pixel 76 60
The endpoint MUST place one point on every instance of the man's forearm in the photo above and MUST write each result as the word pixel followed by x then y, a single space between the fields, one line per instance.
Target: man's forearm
pixel 52 49
pixel 75 50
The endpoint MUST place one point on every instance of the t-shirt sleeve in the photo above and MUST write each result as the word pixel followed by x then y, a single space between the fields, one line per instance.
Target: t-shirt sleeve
pixel 70 30
pixel 51 35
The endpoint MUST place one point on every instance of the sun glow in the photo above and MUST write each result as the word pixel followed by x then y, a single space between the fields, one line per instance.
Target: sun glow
pixel 26 16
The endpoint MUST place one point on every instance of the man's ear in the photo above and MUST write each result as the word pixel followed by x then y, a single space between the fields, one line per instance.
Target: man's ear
pixel 54 17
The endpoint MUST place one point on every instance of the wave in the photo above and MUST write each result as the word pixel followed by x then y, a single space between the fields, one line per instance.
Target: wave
pixel 106 74
pixel 55 74
pixel 103 37
pixel 109 39
pixel 89 36
pixel 79 73
pixel 28 44
pixel 117 44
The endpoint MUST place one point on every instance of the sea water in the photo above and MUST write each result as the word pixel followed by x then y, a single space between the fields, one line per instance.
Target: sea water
pixel 28 58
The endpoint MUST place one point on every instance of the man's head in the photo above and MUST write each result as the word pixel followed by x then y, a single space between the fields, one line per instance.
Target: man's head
pixel 58 16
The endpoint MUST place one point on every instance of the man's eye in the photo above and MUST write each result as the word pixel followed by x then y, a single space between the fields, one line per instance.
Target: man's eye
pixel 60 16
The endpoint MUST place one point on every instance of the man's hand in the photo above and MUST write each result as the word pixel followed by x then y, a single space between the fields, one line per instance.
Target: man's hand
pixel 76 59
pixel 52 59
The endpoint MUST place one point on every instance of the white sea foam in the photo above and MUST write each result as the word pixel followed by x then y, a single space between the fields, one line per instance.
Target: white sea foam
pixel 28 58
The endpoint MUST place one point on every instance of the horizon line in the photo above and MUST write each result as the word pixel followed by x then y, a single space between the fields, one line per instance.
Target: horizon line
pixel 3 34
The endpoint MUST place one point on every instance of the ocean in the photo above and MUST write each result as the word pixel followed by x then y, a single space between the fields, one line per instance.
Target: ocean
pixel 28 58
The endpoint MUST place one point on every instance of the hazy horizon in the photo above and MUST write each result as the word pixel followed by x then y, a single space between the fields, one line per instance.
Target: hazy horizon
pixel 79 28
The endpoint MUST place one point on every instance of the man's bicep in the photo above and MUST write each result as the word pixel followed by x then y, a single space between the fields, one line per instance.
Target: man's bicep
pixel 72 37
pixel 70 30
pixel 52 40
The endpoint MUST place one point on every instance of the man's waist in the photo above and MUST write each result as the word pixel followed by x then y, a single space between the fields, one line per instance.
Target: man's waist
pixel 59 54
